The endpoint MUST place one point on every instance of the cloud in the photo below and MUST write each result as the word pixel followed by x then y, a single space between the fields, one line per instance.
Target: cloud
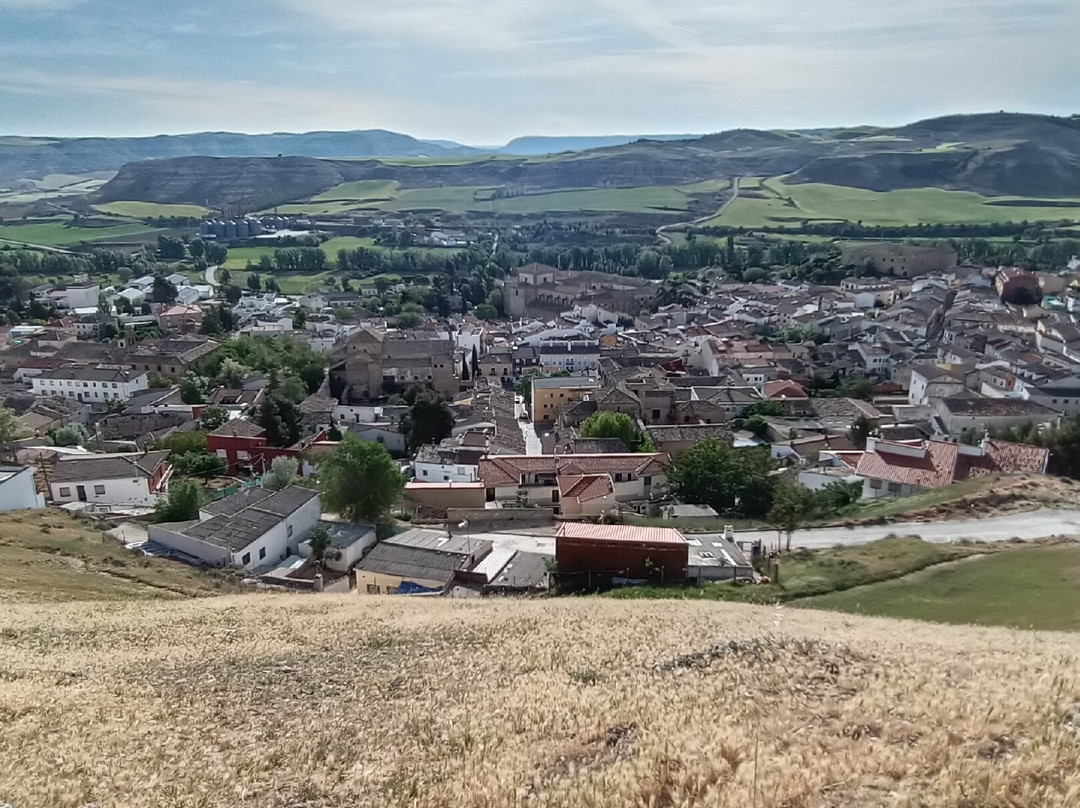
pixel 39 5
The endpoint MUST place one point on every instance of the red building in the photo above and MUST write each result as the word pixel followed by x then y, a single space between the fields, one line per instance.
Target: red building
pixel 656 553
pixel 243 446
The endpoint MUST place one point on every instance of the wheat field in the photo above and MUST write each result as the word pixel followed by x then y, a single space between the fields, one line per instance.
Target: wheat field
pixel 312 702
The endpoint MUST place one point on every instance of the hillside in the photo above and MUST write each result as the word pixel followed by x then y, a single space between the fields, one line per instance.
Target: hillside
pixel 365 701
pixel 1001 154
pixel 38 157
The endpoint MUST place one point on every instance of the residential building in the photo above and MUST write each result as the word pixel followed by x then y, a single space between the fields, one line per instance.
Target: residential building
pixel 967 411
pixel 549 395
pixel 929 382
pixel 1015 285
pixel 900 260
pixel 676 439
pixel 252 528
pixel 182 318
pixel 573 356
pixel 418 561
pixel 170 358
pixel 371 364
pixel 18 491
pixel 243 445
pixel 538 478
pixel 902 468
pixel 99 384
pixel 348 543
pixel 619 551
pixel 129 480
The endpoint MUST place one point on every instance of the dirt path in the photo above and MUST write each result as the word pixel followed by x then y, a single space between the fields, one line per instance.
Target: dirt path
pixel 662 231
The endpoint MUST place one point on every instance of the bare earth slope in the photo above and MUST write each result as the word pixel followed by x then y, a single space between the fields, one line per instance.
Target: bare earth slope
pixel 359 701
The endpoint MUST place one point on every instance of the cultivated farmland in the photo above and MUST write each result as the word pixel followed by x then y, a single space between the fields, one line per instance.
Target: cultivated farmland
pixel 355 700
pixel 778 205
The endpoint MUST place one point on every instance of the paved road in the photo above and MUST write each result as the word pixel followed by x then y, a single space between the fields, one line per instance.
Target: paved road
pixel 211 278
pixel 533 444
pixel 1025 526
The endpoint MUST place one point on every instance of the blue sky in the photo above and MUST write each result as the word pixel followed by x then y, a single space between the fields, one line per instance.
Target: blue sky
pixel 484 71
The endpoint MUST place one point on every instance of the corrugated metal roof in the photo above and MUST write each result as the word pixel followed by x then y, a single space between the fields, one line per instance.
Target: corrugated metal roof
pixel 621 533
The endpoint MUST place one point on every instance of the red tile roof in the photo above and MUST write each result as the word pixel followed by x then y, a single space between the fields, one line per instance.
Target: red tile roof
pixel 784 388
pixel 620 533
pixel 935 464
pixel 585 488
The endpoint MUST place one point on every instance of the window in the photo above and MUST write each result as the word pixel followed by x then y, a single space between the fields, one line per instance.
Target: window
pixel 618 477
pixel 262 552
pixel 246 559
pixel 391 590
pixel 65 492
pixel 99 489
pixel 648 481
pixel 114 385
pixel 288 531
pixel 424 472
pixel 373 589
pixel 875 484
pixel 894 488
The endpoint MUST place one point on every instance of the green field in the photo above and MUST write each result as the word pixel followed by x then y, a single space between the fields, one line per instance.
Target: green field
pixel 151 210
pixel 240 256
pixel 358 190
pixel 291 283
pixel 388 196
pixel 1029 587
pixel 802 575
pixel 58 234
pixel 777 205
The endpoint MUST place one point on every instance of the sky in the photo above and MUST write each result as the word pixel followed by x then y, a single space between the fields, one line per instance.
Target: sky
pixel 484 71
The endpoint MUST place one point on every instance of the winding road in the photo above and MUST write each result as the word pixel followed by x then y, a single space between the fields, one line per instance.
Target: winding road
pixel 662 231
pixel 1028 526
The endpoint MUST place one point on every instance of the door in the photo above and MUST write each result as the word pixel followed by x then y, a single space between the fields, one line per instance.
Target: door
pixel 81 491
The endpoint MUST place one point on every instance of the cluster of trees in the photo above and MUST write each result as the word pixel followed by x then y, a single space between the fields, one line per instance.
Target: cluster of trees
pixel 429 419
pixel 247 354
pixel 607 424
pixel 794 505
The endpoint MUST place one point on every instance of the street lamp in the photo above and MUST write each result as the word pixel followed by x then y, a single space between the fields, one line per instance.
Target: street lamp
pixel 464 524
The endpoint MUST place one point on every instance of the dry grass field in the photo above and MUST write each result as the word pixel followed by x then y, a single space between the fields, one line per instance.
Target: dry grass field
pixel 313 702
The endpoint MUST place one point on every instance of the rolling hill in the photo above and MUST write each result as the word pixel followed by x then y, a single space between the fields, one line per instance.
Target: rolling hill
pixel 993 155
pixel 38 157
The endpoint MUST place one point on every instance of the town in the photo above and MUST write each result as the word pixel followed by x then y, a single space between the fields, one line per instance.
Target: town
pixel 572 430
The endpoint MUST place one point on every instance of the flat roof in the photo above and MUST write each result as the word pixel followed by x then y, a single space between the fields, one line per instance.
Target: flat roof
pixel 621 533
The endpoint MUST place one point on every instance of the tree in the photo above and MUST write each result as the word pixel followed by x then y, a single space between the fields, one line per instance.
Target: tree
pixel 194 388
pixel 757 425
pixel 299 319
pixel 860 430
pixel 232 373
pixel 199 464
pixel 182 504
pixel 429 420
pixel 792 506
pixel 163 291
pixel 855 387
pixel 280 418
pixel 607 424
pixel 231 293
pixel 464 369
pixel 70 435
pixel 197 247
pixel 730 480
pixel 485 311
pixel 170 248
pixel 213 416
pixel 254 282
pixel 766 406
pixel 646 444
pixel 282 473
pixel 360 480
pixel 475 364
pixel 11 427
pixel 321 549
pixel 408 319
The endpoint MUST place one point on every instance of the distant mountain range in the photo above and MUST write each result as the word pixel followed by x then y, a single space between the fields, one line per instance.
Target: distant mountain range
pixel 34 157
pixel 994 154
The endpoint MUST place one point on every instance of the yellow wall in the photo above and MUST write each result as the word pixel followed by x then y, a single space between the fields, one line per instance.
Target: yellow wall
pixel 387 584
pixel 546 401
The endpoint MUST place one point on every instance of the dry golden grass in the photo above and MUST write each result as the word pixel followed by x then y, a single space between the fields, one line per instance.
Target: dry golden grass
pixel 290 701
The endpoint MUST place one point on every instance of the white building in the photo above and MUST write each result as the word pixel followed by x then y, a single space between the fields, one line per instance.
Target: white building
pixel 349 540
pixel 78 296
pixel 129 480
pixel 250 529
pixel 17 489
pixel 94 384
